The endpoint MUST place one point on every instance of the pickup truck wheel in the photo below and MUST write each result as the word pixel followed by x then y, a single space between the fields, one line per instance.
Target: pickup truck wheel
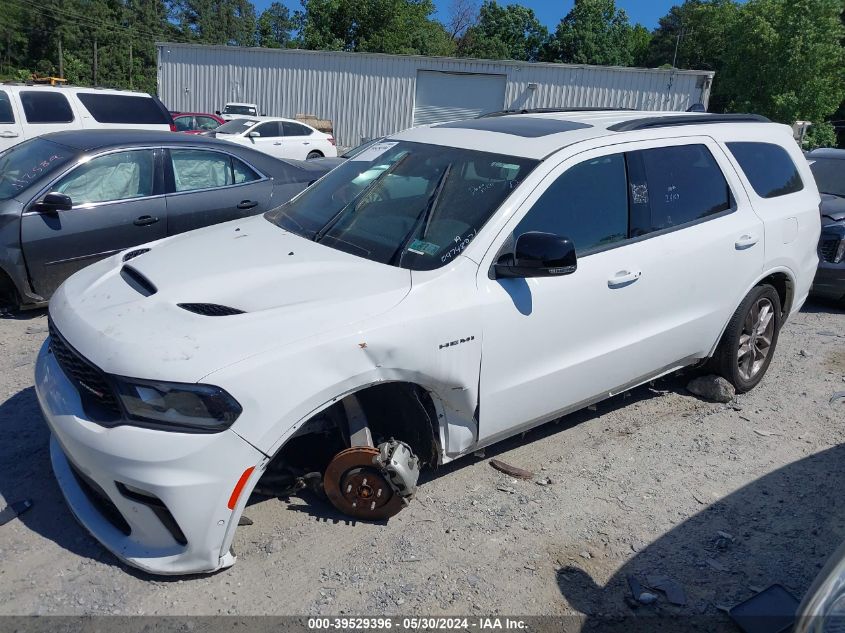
pixel 750 339
pixel 358 488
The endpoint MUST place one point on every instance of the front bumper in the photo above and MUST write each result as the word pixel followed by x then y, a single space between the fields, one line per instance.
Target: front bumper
pixel 157 500
pixel 830 280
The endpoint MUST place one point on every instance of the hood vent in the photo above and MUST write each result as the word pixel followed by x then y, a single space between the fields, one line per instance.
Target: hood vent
pixel 138 282
pixel 135 253
pixel 209 309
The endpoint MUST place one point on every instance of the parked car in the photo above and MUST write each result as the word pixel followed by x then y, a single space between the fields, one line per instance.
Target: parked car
pixel 235 110
pixel 28 111
pixel 828 167
pixel 446 288
pixel 823 608
pixel 334 161
pixel 282 138
pixel 196 122
pixel 70 198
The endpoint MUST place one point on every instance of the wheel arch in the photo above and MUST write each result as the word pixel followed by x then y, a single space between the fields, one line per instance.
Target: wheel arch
pixel 783 281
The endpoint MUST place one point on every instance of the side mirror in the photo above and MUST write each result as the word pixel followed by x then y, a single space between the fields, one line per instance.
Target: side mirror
pixel 52 203
pixel 253 135
pixel 538 255
pixel 217 112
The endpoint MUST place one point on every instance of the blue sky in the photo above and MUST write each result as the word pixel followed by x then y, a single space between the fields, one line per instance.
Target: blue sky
pixel 549 12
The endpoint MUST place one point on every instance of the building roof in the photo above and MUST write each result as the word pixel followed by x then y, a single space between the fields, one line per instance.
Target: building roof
pixel 537 135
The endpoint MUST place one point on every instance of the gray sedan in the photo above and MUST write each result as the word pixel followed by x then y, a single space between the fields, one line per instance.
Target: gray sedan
pixel 70 198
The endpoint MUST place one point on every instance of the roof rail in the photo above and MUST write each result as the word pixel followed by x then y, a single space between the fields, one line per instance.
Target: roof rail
pixel 690 119
pixel 549 111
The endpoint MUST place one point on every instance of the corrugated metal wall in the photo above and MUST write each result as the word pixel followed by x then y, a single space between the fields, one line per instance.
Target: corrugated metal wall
pixel 368 95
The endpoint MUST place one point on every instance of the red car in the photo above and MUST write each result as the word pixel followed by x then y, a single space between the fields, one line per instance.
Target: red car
pixel 196 122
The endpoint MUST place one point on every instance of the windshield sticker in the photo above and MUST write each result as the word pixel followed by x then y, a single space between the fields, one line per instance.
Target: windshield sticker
pixel 373 152
pixel 423 248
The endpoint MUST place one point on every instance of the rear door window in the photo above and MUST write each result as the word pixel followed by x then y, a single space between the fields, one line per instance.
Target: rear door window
pixel 6 113
pixel 133 109
pixel 200 169
pixel 768 167
pixel 588 204
pixel 45 107
pixel 184 123
pixel 673 186
pixel 206 123
pixel 295 129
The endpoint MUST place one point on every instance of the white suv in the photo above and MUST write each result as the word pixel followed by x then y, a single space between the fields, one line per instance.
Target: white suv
pixel 30 111
pixel 446 288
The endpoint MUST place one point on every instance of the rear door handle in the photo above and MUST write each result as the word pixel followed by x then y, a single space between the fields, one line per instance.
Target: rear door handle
pixel 277 143
pixel 746 241
pixel 623 278
pixel 145 220
pixel 247 204
pixel 9 135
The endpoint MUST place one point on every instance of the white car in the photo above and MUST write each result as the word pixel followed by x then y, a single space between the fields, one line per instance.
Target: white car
pixel 282 138
pixel 446 288
pixel 30 111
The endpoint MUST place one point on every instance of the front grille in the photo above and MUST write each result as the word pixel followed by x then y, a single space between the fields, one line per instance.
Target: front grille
pixel 827 249
pixel 100 500
pixel 93 387
pixel 209 309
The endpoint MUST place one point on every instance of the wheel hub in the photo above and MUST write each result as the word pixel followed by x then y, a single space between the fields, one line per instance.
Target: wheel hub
pixel 756 339
pixel 356 486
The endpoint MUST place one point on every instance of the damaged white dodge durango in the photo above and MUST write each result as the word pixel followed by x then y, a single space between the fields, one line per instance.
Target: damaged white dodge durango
pixel 446 288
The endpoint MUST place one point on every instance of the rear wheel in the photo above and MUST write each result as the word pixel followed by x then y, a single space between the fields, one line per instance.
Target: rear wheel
pixel 749 341
pixel 313 154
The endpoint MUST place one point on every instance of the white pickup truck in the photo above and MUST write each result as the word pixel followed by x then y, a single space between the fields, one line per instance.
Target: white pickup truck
pixel 234 110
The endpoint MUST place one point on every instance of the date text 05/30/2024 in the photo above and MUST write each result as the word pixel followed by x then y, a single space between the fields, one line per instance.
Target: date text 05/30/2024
pixel 415 624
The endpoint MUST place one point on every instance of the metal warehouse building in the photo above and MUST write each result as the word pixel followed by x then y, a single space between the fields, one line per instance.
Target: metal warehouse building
pixel 367 94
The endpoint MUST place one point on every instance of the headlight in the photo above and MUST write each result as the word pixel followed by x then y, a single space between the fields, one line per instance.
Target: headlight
pixel 187 407
pixel 823 608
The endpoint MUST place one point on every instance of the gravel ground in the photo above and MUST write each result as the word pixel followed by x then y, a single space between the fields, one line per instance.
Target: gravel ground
pixel 723 498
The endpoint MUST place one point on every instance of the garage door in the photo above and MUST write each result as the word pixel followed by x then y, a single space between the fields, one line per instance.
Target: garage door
pixel 451 96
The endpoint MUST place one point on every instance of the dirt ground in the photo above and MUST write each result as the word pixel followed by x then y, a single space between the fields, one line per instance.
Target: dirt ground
pixel 723 498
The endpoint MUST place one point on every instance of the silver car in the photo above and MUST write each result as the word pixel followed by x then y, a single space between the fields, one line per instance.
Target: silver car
pixel 71 198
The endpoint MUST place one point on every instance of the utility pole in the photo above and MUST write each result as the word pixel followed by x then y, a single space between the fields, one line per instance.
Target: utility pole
pixel 95 61
pixel 61 60
pixel 677 43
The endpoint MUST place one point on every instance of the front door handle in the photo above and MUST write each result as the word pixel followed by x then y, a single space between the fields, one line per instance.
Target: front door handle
pixel 623 278
pixel 306 142
pixel 9 135
pixel 277 143
pixel 145 220
pixel 746 241
pixel 247 204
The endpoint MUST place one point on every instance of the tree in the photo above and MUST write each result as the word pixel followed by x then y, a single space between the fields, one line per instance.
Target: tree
pixel 229 22
pixel 274 26
pixel 462 15
pixel 504 32
pixel 640 41
pixel 593 32
pixel 786 59
pixel 379 26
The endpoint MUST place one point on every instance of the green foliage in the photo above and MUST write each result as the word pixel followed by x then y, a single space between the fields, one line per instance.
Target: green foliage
pixel 786 59
pixel 504 32
pixel 376 26
pixel 820 135
pixel 274 26
pixel 593 32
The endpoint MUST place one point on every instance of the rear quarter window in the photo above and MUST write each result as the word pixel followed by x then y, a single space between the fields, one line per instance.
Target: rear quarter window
pixel 6 114
pixel 45 107
pixel 131 109
pixel 768 167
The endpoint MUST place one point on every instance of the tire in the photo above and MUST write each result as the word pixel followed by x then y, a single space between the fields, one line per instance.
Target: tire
pixel 314 154
pixel 750 329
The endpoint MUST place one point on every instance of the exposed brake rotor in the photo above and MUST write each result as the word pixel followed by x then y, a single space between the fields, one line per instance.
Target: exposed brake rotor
pixel 356 485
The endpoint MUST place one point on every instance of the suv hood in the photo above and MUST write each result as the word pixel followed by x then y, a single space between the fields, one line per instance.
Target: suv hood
pixel 289 288
pixel 833 207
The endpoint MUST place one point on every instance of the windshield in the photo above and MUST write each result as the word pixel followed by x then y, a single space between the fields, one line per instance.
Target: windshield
pixel 25 164
pixel 358 149
pixel 235 126
pixel 239 109
pixel 406 204
pixel 830 175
